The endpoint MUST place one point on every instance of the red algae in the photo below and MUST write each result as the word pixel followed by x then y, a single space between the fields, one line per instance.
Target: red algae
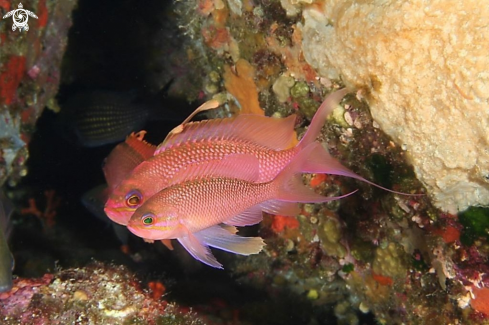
pixel 481 300
pixel 42 13
pixel 279 223
pixel 383 280
pixel 25 95
pixel 450 234
pixel 317 180
pixel 5 4
pixel 216 37
pixel 10 78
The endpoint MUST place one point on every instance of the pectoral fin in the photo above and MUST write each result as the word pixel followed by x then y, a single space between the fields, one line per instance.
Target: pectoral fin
pixel 199 250
pixel 221 238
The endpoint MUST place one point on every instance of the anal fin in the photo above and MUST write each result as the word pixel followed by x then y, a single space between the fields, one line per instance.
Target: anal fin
pixel 221 238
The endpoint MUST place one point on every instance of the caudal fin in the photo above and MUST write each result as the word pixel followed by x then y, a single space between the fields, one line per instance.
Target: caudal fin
pixel 321 162
pixel 288 184
pixel 317 122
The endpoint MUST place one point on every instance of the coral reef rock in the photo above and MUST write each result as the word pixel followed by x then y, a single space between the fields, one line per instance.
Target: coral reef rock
pixel 30 64
pixel 96 294
pixel 424 69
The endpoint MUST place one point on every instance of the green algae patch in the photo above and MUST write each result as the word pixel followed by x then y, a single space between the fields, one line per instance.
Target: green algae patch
pixel 299 90
pixel 348 268
pixel 476 224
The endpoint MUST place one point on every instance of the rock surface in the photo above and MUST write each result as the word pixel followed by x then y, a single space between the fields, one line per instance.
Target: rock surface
pixel 424 70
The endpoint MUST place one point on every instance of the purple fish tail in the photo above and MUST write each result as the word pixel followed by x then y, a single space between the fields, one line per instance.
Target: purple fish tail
pixel 317 122
pixel 320 161
pixel 288 183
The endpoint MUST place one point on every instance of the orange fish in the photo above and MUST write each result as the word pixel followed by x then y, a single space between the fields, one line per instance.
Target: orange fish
pixel 201 211
pixel 268 139
pixel 125 157
pixel 118 164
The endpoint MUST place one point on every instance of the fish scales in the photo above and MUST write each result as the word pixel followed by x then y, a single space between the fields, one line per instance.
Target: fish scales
pixel 206 202
pixel 125 157
pixel 166 164
pixel 96 124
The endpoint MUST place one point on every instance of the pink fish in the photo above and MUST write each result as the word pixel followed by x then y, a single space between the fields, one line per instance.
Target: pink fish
pixel 201 211
pixel 269 140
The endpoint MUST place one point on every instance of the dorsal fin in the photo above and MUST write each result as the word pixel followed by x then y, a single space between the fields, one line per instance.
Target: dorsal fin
pixel 125 157
pixel 227 168
pixel 136 141
pixel 317 122
pixel 120 162
pixel 272 133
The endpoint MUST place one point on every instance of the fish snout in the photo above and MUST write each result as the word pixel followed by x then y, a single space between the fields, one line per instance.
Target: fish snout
pixel 137 230
pixel 120 215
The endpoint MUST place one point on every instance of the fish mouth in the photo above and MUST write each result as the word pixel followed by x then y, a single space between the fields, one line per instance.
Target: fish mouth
pixel 120 215
pixel 122 209
pixel 144 232
pixel 119 209
pixel 136 230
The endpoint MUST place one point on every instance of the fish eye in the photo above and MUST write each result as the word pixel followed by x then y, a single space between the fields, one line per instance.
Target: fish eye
pixel 148 219
pixel 133 199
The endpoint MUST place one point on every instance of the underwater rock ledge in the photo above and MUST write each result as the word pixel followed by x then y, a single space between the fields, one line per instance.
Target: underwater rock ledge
pixel 423 69
pixel 30 63
pixel 96 294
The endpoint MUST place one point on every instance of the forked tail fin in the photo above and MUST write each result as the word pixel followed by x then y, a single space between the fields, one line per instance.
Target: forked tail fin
pixel 321 162
pixel 288 184
pixel 317 122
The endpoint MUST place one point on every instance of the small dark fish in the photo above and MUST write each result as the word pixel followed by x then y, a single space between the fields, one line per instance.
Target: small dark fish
pixel 94 201
pixel 95 118
pixel 6 258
